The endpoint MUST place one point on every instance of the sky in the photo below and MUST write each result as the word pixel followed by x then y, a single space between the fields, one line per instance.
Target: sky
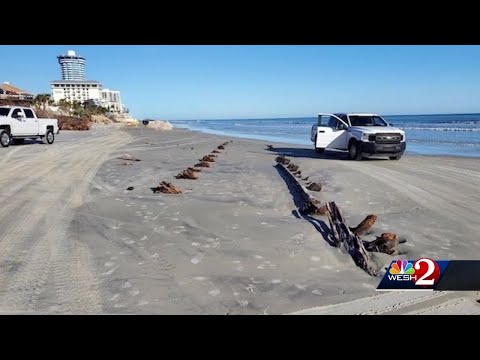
pixel 179 82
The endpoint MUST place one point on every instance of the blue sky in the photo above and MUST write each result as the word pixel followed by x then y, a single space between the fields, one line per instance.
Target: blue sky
pixel 209 82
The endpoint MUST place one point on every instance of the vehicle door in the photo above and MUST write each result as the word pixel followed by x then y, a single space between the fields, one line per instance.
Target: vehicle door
pixel 31 121
pixel 19 122
pixel 331 132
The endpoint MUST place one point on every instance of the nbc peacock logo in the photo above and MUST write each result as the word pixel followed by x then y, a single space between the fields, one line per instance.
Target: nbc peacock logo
pixel 402 267
pixel 402 270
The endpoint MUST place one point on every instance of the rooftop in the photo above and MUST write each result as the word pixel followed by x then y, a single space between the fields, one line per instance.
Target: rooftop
pixel 75 82
pixel 12 89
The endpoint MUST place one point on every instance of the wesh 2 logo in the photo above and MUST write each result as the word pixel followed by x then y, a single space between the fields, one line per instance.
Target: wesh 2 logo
pixel 404 274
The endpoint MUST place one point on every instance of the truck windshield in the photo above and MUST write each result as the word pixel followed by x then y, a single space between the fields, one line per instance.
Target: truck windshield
pixel 367 121
pixel 4 111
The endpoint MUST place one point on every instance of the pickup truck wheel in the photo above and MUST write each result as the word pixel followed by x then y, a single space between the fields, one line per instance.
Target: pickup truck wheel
pixel 5 138
pixel 398 157
pixel 354 151
pixel 49 137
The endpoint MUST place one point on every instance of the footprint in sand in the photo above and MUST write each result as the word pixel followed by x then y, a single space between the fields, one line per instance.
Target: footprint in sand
pixel 109 264
pixel 145 237
pixel 276 281
pixel 258 257
pixel 315 258
pixel 114 297
pixel 317 292
pixel 195 244
pixel 134 292
pixel 242 303
pixel 126 285
pixel 236 261
pixel 197 259
pixel 301 286
pixel 214 292
pixel 200 278
pixel 240 268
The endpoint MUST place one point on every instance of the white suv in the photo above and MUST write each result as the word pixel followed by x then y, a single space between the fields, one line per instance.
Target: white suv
pixel 361 134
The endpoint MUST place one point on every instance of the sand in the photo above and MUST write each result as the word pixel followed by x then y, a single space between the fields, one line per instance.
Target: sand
pixel 74 240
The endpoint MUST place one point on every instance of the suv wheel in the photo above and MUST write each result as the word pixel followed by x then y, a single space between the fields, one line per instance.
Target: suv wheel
pixel 5 138
pixel 49 137
pixel 354 151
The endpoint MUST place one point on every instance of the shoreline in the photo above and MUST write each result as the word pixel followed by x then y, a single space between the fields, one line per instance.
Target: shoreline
pixel 231 242
pixel 310 146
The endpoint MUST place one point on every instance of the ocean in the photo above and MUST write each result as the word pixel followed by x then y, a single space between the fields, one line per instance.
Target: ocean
pixel 444 134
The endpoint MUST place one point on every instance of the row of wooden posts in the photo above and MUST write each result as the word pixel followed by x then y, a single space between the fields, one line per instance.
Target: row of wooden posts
pixel 344 237
pixel 190 173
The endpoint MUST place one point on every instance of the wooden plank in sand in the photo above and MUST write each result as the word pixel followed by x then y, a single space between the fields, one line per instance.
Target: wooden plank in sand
pixel 345 239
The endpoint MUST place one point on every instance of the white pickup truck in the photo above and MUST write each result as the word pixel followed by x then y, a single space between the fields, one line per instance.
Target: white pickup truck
pixel 361 134
pixel 19 123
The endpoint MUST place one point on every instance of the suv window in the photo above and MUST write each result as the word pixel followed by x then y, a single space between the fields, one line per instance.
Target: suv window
pixel 367 121
pixel 16 112
pixel 4 111
pixel 29 113
pixel 336 124
pixel 332 122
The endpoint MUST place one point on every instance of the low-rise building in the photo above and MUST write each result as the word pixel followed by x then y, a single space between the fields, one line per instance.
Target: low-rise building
pixel 8 91
pixel 111 100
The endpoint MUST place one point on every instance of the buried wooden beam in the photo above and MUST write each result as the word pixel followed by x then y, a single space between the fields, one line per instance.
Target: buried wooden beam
pixel 385 243
pixel 207 158
pixel 202 164
pixel 166 188
pixel 311 206
pixel 365 225
pixel 187 174
pixel 346 240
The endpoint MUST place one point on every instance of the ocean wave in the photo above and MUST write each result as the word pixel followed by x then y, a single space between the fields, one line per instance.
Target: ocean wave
pixel 440 129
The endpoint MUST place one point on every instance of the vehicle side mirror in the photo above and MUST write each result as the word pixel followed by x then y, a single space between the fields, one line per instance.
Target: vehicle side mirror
pixel 19 116
pixel 344 127
pixel 390 124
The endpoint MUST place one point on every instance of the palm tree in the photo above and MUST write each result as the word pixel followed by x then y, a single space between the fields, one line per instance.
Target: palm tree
pixel 42 99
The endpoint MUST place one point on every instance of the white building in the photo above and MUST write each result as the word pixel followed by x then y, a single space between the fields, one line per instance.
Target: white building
pixel 73 66
pixel 74 87
pixel 76 90
pixel 111 100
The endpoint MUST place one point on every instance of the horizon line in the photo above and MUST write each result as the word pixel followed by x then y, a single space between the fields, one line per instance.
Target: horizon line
pixel 306 117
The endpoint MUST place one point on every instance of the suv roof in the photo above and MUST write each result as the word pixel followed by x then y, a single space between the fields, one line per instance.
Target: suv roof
pixel 355 114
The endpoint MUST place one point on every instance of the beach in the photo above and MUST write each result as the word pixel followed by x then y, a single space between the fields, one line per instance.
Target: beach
pixel 73 239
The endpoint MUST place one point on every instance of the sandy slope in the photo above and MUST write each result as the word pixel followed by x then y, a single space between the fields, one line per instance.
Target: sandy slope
pixel 232 243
